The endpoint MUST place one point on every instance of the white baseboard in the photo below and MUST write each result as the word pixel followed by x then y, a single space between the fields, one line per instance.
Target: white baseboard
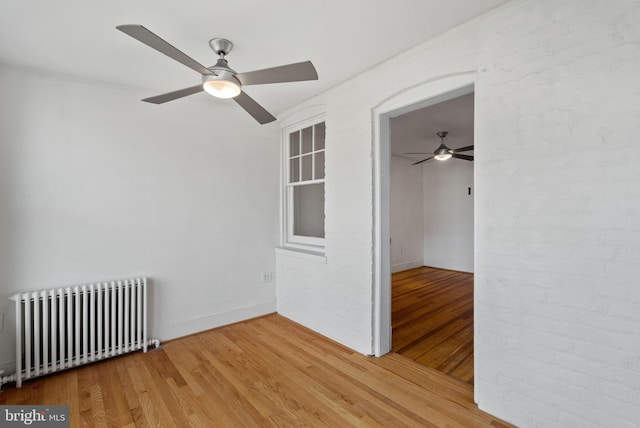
pixel 460 267
pixel 209 321
pixel 189 326
pixel 406 265
pixel 7 367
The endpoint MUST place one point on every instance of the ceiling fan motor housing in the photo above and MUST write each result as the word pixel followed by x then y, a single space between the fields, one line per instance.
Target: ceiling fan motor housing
pixel 221 75
pixel 442 150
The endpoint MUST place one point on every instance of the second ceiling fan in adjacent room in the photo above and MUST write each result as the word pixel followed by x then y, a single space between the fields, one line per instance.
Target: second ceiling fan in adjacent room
pixel 443 152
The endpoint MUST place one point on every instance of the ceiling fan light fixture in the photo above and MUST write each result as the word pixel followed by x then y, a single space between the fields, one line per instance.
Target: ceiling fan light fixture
pixel 442 154
pixel 224 85
pixel 442 157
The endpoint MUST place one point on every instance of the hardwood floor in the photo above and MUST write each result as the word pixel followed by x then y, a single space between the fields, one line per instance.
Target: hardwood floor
pixel 432 319
pixel 263 372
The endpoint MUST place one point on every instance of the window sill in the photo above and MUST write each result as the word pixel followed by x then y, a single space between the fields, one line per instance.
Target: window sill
pixel 300 253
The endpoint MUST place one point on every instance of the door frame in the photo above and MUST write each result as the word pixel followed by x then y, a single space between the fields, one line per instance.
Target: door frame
pixel 428 93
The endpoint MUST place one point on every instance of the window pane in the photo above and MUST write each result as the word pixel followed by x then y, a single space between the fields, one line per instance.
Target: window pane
pixel 308 208
pixel 294 170
pixel 306 168
pixel 319 137
pixel 294 144
pixel 307 140
pixel 319 165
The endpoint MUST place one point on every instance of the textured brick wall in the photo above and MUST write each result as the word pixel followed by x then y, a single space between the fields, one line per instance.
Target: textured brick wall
pixel 557 215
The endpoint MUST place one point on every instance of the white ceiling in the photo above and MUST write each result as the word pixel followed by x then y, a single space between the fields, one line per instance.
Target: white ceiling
pixel 341 37
pixel 416 131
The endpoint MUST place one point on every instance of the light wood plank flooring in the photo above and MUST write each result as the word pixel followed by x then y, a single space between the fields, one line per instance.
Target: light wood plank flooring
pixel 432 319
pixel 264 372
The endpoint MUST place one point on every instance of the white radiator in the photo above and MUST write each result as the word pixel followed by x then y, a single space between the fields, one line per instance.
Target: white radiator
pixel 61 328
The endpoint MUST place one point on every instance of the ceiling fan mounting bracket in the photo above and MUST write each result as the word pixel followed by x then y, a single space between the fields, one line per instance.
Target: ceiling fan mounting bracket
pixel 221 47
pixel 442 134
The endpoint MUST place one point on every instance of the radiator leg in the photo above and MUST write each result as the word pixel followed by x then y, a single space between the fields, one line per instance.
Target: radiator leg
pixel 18 343
pixel 11 378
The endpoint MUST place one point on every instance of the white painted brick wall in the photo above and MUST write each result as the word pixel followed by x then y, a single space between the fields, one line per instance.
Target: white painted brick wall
pixel 558 208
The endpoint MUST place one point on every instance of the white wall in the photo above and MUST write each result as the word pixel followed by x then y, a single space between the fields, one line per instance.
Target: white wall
pixel 557 180
pixel 96 185
pixel 431 215
pixel 448 215
pixel 407 215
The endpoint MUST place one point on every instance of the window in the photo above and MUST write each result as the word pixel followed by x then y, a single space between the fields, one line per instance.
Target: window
pixel 304 188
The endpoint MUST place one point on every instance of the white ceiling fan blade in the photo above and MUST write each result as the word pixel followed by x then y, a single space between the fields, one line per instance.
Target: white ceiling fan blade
pixel 145 36
pixel 170 96
pixel 297 72
pixel 258 112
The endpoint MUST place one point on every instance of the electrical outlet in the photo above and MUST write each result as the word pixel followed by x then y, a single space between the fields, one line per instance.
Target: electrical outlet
pixel 267 276
pixel 1 321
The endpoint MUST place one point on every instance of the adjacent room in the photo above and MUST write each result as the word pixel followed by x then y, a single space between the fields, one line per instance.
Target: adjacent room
pixel 209 216
pixel 431 227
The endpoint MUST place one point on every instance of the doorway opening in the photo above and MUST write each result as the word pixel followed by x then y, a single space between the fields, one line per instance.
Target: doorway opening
pixel 423 96
pixel 431 228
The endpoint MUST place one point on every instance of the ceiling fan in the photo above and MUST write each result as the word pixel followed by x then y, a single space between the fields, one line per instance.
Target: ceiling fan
pixel 220 80
pixel 443 152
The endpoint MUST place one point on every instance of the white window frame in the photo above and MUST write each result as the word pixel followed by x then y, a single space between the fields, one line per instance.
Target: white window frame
pixel 289 239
